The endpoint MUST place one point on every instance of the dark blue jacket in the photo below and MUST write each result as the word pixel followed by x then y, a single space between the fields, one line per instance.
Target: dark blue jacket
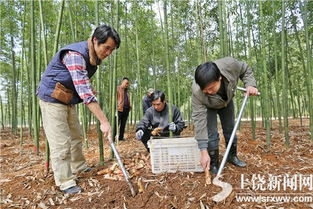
pixel 146 103
pixel 57 72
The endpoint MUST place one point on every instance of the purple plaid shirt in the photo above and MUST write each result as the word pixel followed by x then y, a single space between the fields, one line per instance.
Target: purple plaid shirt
pixel 76 65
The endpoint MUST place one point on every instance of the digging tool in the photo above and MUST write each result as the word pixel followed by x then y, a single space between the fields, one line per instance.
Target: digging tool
pixel 120 163
pixel 227 188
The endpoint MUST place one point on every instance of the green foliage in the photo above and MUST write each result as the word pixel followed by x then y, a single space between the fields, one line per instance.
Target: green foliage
pixel 189 23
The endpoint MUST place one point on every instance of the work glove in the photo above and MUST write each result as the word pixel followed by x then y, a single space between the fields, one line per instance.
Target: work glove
pixel 139 134
pixel 172 127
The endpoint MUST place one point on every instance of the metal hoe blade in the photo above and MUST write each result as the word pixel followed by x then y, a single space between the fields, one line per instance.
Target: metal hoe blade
pixel 227 188
pixel 119 161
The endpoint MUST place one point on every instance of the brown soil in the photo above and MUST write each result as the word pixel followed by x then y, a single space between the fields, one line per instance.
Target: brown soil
pixel 24 183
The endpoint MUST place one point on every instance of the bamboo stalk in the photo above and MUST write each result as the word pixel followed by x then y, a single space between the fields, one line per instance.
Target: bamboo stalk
pixel 57 34
pixel 285 78
pixel 265 89
pixel 169 86
pixel 33 74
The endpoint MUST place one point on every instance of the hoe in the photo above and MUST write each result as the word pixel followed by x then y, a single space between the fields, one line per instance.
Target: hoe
pixel 226 187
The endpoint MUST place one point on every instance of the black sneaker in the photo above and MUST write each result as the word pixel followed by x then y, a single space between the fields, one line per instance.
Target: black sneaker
pixel 72 190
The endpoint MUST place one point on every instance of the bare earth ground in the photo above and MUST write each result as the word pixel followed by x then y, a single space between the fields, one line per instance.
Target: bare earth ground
pixel 24 183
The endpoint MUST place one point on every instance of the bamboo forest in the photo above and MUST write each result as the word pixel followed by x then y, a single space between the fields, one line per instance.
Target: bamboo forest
pixel 76 154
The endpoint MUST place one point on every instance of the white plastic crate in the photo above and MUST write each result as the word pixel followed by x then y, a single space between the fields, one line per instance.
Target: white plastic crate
pixel 174 154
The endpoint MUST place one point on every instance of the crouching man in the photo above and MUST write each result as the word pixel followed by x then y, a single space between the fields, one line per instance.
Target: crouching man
pixel 156 120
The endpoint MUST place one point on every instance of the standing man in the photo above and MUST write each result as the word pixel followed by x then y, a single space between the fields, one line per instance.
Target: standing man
pixel 123 106
pixel 147 100
pixel 212 94
pixel 65 83
pixel 157 117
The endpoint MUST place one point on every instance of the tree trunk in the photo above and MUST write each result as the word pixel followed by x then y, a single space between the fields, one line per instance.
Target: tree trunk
pixel 285 78
pixel 308 73
pixel 265 90
pixel 251 102
pixel 57 34
pixel 33 73
pixel 14 90
pixel 169 87
pixel 221 28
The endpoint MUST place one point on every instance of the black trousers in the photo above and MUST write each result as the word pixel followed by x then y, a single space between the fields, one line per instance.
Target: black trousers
pixel 122 118
pixel 227 118
pixel 145 138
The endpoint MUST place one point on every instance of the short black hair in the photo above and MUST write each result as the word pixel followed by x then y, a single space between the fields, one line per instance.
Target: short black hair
pixel 158 94
pixel 125 78
pixel 207 73
pixel 103 32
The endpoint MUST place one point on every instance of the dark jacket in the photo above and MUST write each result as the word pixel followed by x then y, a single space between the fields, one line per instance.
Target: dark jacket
pixel 153 119
pixel 57 72
pixel 232 70
pixel 146 103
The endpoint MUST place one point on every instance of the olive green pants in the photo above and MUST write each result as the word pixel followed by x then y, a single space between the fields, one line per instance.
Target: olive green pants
pixel 64 135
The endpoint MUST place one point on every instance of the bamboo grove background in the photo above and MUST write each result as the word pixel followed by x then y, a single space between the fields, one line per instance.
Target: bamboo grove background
pixel 162 44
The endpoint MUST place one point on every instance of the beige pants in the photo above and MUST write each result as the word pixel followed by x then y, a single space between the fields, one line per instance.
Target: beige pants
pixel 64 135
